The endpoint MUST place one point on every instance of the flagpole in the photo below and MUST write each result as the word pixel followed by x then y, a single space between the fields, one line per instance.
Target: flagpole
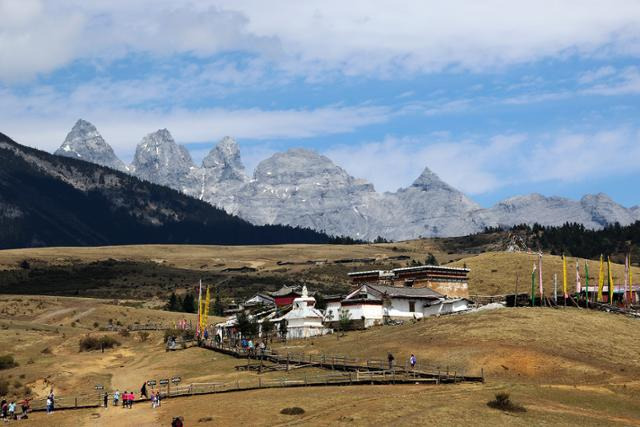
pixel 555 288
pixel 542 302
pixel 610 280
pixel 199 309
pixel 533 285
pixel 600 279
pixel 626 280
pixel 564 279
pixel 586 271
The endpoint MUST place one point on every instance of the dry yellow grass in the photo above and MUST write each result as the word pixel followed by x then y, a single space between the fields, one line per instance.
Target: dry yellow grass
pixel 201 257
pixel 566 367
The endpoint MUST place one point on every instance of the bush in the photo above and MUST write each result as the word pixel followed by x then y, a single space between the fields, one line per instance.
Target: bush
pixel 296 410
pixel 93 343
pixel 143 335
pixel 504 403
pixel 7 362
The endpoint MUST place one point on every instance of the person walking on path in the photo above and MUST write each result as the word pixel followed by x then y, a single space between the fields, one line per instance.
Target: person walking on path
pixel 25 406
pixel 132 397
pixel 143 390
pixel 412 361
pixel 153 400
pixel 125 396
pixel 390 358
pixel 105 399
pixel 116 397
pixel 12 410
pixel 49 405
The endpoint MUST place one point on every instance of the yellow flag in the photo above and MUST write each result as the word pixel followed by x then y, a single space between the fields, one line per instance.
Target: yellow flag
pixel 564 276
pixel 205 312
pixel 610 280
pixel 601 279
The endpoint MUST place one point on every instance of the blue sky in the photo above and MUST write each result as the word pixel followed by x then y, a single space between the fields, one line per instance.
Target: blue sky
pixel 499 97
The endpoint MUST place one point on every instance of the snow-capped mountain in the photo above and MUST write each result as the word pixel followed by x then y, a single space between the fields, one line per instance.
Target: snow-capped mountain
pixel 85 142
pixel 303 188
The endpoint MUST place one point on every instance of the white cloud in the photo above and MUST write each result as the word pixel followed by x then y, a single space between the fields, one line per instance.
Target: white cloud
pixel 312 38
pixel 480 165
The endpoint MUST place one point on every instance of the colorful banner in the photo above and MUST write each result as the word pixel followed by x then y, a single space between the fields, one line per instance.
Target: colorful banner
pixel 198 330
pixel 578 284
pixel 564 277
pixel 610 280
pixel 630 281
pixel 540 279
pixel 586 272
pixel 600 279
pixel 626 281
pixel 205 311
pixel 533 285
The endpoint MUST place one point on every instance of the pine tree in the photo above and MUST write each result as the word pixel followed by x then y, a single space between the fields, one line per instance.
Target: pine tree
pixel 189 304
pixel 174 303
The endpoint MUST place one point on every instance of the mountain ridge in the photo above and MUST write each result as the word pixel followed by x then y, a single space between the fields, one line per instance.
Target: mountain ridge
pixel 301 187
pixel 49 200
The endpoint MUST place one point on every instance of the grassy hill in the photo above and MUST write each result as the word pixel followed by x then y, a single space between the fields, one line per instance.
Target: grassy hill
pixel 494 273
pixel 566 367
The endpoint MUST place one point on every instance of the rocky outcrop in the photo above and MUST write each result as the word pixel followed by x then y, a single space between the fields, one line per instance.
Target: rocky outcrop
pixel 84 142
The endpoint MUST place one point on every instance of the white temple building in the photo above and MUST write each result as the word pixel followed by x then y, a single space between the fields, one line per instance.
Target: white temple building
pixel 304 320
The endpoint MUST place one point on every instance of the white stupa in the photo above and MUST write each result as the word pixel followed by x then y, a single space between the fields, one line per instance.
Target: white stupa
pixel 304 320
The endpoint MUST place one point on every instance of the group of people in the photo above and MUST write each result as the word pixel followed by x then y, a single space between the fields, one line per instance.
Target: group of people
pixel 10 412
pixel 127 398
pixel 249 346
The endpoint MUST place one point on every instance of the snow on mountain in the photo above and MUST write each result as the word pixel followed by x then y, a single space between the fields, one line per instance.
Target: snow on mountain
pixel 303 188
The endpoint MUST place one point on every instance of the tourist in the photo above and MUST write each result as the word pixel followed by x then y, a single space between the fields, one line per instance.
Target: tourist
pixel 177 422
pixel 262 347
pixel 143 390
pixel 125 396
pixel 206 334
pixel 153 400
pixel 390 358
pixel 49 405
pixel 12 410
pixel 158 398
pixel 53 400
pixel 116 397
pixel 132 397
pixel 5 409
pixel 25 407
pixel 412 361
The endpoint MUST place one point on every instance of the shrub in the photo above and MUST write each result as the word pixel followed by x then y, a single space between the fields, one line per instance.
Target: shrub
pixel 7 362
pixel 504 403
pixel 93 343
pixel 143 335
pixel 296 410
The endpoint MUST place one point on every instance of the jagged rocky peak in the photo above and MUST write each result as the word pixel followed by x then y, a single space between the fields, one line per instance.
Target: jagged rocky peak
pixel 85 142
pixel 604 210
pixel 159 159
pixel 428 180
pixel 224 160
pixel 298 166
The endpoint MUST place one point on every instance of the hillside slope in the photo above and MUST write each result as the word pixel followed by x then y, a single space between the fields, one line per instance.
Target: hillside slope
pixel 48 200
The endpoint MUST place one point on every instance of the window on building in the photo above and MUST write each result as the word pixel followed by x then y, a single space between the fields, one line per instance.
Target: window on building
pixel 412 306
